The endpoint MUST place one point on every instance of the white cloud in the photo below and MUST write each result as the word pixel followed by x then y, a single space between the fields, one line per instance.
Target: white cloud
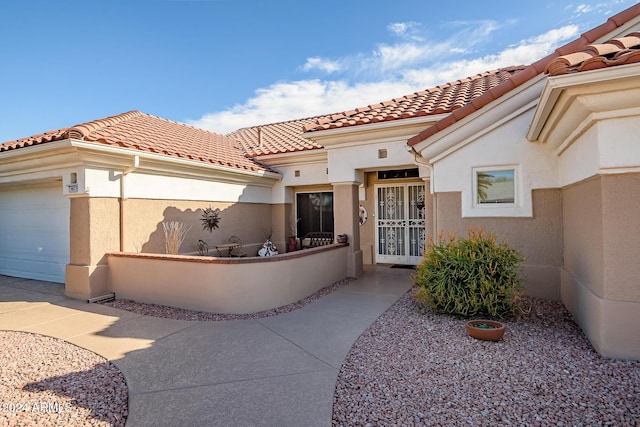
pixel 600 8
pixel 530 50
pixel 399 56
pixel 525 52
pixel 323 64
pixel 408 30
pixel 304 98
pixel 475 31
pixel 294 100
pixel 582 8
pixel 398 28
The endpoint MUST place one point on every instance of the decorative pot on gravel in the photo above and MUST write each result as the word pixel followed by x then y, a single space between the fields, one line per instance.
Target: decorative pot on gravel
pixel 488 330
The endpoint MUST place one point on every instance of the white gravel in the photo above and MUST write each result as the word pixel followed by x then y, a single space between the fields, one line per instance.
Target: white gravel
pixel 413 369
pixel 50 382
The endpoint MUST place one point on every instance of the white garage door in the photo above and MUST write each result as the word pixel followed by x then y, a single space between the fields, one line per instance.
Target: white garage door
pixel 34 232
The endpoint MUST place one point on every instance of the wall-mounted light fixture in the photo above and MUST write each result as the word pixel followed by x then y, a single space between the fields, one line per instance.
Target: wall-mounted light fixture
pixel 73 183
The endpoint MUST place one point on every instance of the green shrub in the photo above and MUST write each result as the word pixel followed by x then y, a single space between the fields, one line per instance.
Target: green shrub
pixel 470 277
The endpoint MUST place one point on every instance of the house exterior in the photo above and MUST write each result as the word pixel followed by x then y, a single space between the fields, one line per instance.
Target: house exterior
pixel 73 195
pixel 545 155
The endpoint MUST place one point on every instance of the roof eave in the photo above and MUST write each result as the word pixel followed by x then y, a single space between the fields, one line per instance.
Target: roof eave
pixel 481 121
pixel 556 85
pixel 290 157
pixel 324 136
pixel 160 159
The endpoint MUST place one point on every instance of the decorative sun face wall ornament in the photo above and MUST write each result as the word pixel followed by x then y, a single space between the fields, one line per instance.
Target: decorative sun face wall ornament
pixel 210 218
pixel 363 215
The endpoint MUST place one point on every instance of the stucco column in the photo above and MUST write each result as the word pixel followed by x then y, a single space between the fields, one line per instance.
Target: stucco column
pixel 94 231
pixel 346 221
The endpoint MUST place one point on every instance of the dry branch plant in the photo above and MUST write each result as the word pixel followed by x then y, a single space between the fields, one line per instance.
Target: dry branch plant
pixel 174 234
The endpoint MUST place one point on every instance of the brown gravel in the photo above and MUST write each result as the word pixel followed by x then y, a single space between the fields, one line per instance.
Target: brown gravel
pixel 414 369
pixel 182 314
pixel 50 382
pixel 411 367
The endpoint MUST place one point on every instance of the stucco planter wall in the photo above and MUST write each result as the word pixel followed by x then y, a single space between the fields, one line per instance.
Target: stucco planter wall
pixel 225 285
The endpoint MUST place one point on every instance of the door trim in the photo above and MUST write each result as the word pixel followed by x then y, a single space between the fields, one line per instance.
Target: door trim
pixel 413 223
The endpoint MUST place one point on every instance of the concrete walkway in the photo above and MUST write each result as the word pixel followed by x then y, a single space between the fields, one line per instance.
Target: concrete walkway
pixel 275 371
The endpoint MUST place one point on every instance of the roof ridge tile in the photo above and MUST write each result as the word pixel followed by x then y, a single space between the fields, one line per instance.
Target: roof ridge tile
pixel 83 130
pixel 137 131
pixel 626 42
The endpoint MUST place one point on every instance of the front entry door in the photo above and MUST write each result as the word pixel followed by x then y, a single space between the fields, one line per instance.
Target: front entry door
pixel 400 223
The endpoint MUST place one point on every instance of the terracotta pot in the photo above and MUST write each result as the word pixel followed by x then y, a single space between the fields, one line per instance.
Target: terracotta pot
pixel 488 334
pixel 293 244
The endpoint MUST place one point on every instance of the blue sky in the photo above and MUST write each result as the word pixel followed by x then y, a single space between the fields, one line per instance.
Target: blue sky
pixel 227 64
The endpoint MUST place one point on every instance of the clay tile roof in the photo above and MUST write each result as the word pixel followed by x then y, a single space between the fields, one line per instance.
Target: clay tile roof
pixel 144 132
pixel 560 59
pixel 444 98
pixel 287 136
pixel 618 51
pixel 277 138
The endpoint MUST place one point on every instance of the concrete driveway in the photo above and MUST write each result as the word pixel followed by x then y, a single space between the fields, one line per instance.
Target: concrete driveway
pixel 274 371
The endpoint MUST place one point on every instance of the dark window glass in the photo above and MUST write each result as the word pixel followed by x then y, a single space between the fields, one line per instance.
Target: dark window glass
pixel 400 173
pixel 314 212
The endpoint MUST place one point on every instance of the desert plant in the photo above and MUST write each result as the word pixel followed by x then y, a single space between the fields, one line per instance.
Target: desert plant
pixel 471 276
pixel 267 232
pixel 210 219
pixel 174 234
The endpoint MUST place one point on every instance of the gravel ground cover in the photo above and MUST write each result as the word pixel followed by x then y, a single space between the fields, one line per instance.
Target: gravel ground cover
pixel 182 314
pixel 50 382
pixel 413 369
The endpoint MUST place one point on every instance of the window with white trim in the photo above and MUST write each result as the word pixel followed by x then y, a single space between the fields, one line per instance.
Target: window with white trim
pixel 494 186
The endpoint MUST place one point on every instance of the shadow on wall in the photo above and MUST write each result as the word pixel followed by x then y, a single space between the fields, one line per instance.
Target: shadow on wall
pixel 248 221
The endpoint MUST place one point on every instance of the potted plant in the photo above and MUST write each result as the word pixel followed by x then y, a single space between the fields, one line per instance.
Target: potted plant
pixel 476 276
pixel 268 248
pixel 487 330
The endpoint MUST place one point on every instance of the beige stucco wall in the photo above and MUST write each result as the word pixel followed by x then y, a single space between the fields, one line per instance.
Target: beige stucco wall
pixel 539 238
pixel 94 231
pixel 282 214
pixel 601 276
pixel 621 210
pixel 143 218
pixel 346 222
pixel 583 234
pixel 223 285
